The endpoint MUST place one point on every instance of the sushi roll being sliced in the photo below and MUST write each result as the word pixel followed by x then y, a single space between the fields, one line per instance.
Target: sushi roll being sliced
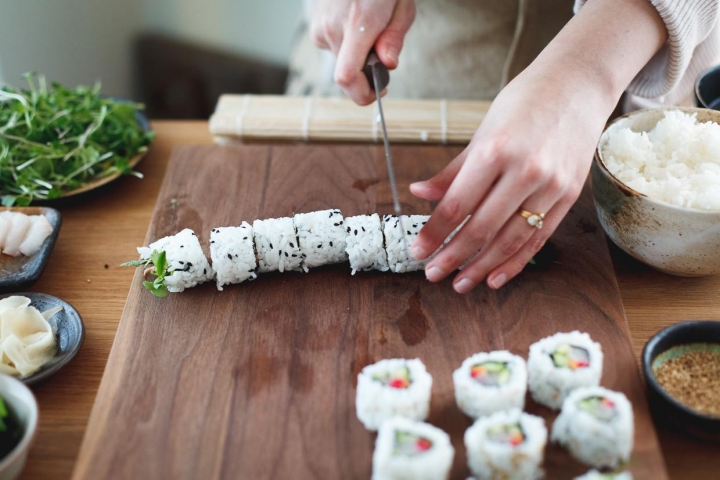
pixel 490 382
pixel 507 445
pixel 186 262
pixel 411 450
pixel 393 387
pixel 398 253
pixel 277 245
pixel 322 238
pixel 364 243
pixel 595 475
pixel 596 425
pixel 232 254
pixel 561 363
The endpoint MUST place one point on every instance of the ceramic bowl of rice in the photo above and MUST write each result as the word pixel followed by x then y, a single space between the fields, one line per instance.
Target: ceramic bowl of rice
pixel 656 182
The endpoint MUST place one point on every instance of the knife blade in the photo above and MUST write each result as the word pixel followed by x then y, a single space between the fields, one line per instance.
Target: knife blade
pixel 379 77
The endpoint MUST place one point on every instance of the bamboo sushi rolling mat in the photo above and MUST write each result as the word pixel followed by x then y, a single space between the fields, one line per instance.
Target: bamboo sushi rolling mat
pixel 274 117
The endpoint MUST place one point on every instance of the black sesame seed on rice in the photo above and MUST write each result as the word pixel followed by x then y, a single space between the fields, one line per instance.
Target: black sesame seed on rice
pixel 244 238
pixel 356 232
pixel 331 244
pixel 271 247
pixel 229 256
pixel 204 271
pixel 319 246
pixel 286 255
pixel 189 264
pixel 408 232
pixel 348 229
pixel 293 255
pixel 181 262
pixel 336 224
pixel 292 245
pixel 363 228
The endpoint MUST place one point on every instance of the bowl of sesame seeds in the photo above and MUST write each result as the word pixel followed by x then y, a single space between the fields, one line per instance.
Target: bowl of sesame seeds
pixel 682 369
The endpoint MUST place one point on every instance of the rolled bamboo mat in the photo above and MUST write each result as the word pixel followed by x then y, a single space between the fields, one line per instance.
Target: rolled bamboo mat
pixel 247 118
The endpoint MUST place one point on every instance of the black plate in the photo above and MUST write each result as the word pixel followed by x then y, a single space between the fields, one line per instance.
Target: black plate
pixel 21 272
pixel 70 333
pixel 666 409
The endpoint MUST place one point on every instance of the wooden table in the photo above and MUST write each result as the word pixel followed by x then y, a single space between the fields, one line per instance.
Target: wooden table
pixel 100 234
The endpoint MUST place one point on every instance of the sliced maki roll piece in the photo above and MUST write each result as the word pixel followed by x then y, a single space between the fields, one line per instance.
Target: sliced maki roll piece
pixel 411 450
pixel 277 246
pixel 365 244
pixel 398 253
pixel 322 238
pixel 490 382
pixel 596 425
pixel 595 475
pixel 561 363
pixel 393 387
pixel 506 445
pixel 233 254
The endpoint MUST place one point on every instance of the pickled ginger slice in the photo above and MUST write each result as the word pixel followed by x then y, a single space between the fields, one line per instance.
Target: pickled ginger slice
pixel 18 229
pixel 4 229
pixel 36 235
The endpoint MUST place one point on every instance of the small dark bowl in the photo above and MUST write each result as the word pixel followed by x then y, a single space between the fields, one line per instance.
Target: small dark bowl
pixel 666 410
pixel 70 333
pixel 707 88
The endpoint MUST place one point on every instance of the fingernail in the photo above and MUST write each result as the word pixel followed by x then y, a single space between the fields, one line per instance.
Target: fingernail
pixel 498 280
pixel 417 252
pixel 392 55
pixel 434 274
pixel 463 286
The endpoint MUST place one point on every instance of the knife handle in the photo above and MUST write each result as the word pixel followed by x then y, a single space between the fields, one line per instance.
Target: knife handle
pixel 383 74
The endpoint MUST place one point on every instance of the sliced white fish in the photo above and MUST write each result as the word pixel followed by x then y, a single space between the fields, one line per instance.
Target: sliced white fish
pixel 36 235
pixel 20 225
pixel 4 229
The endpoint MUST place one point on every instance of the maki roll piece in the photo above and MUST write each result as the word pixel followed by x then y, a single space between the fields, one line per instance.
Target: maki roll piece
pixel 561 363
pixel 398 254
pixel 595 475
pixel 507 445
pixel 393 387
pixel 364 243
pixel 487 383
pixel 410 450
pixel 596 426
pixel 322 238
pixel 277 245
pixel 233 254
pixel 186 265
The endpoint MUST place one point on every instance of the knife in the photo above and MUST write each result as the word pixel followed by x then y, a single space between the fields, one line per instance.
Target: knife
pixel 379 77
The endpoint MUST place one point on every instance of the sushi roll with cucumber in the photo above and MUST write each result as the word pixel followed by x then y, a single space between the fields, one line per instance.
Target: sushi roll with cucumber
pixel 411 450
pixel 507 445
pixel 322 238
pixel 233 254
pixel 393 387
pixel 596 425
pixel 595 475
pixel 277 246
pixel 181 259
pixel 561 363
pixel 398 252
pixel 490 382
pixel 364 243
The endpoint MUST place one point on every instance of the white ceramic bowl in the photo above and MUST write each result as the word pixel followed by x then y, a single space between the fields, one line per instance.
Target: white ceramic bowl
pixel 18 397
pixel 673 239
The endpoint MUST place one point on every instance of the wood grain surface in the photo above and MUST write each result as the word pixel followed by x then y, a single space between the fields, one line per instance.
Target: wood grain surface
pixel 259 381
pixel 105 230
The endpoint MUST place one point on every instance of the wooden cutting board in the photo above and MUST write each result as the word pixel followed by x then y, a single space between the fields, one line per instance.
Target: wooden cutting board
pixel 258 381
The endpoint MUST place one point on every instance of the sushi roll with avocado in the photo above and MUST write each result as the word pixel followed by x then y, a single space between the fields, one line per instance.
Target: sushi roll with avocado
pixel 507 445
pixel 596 426
pixel 322 238
pixel 232 254
pixel 561 363
pixel 486 383
pixel 595 475
pixel 276 245
pixel 411 450
pixel 364 243
pixel 398 253
pixel 393 387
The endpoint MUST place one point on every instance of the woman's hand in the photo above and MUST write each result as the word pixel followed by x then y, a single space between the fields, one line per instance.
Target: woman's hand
pixel 351 28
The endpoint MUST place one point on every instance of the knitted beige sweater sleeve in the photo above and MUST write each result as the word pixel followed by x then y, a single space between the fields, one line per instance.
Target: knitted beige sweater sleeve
pixel 693 45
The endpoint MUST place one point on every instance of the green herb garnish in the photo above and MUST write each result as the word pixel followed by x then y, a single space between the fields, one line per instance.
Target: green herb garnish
pixel 55 140
pixel 160 269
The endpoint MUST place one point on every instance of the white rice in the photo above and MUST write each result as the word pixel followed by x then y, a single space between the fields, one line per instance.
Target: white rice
pixel 376 402
pixel 677 162
pixel 322 238
pixel 398 252
pixel 433 464
pixel 277 245
pixel 477 400
pixel 490 460
pixel 185 257
pixel 233 254
pixel 550 385
pixel 595 475
pixel 595 442
pixel 365 244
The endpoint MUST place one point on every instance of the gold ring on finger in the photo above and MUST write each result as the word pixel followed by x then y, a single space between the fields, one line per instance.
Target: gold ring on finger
pixel 533 219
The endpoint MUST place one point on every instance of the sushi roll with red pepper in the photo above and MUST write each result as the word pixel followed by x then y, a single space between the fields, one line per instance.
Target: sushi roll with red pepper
pixel 233 254
pixel 507 445
pixel 561 363
pixel 486 383
pixel 410 450
pixel 596 426
pixel 393 387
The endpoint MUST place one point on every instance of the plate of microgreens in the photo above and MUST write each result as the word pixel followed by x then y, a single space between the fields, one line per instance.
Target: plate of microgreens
pixel 57 142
